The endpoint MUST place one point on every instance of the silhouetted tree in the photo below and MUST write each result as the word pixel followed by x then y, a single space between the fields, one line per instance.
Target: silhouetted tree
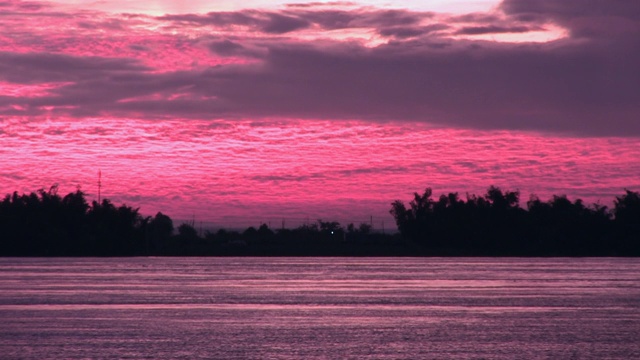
pixel 187 231
pixel 627 208
pixel 264 233
pixel 159 231
pixel 627 222
pixel 495 224
pixel 329 227
pixel 43 223
pixel 116 230
pixel 416 222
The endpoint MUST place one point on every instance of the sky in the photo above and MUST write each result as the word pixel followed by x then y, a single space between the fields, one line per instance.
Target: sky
pixel 237 113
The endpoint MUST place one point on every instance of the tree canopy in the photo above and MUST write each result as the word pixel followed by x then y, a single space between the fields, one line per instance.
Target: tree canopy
pixel 43 223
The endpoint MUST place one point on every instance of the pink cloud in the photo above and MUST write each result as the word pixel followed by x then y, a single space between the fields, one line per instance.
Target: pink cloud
pixel 231 170
pixel 172 67
pixel 363 103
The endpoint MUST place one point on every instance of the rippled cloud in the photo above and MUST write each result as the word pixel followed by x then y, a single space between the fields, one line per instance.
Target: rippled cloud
pixel 317 109
pixel 242 171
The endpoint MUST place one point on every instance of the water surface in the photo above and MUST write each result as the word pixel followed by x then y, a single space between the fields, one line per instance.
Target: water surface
pixel 319 308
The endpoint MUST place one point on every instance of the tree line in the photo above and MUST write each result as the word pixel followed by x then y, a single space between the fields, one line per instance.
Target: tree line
pixel 43 223
pixel 496 224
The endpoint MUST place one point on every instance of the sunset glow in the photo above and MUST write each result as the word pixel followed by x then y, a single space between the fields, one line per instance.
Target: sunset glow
pixel 236 115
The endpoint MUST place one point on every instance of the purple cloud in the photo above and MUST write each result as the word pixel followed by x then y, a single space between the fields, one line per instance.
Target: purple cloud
pixel 595 18
pixel 492 29
pixel 225 47
pixel 280 24
pixel 587 83
pixel 273 22
pixel 322 4
pixel 404 32
pixel 23 5
pixel 268 22
pixel 31 68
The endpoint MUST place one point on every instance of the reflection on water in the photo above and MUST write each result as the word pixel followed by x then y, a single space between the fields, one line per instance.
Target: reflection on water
pixel 319 308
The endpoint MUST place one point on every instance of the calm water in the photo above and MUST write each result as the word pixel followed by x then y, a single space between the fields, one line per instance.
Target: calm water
pixel 320 308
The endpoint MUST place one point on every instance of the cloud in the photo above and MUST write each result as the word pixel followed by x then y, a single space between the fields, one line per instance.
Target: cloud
pixel 268 22
pixel 225 47
pixel 112 24
pixel 586 83
pixel 596 18
pixel 403 32
pixel 333 174
pixel 571 9
pixel 480 86
pixel 274 22
pixel 23 5
pixel 280 24
pixel 492 29
pixel 321 4
pixel 12 176
pixel 229 48
pixel 30 68
pixel 217 18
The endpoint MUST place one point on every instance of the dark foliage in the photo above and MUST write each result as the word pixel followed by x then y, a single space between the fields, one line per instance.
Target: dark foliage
pixel 46 224
pixel 495 224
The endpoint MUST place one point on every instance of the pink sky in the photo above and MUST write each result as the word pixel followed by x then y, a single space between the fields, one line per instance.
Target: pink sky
pixel 295 110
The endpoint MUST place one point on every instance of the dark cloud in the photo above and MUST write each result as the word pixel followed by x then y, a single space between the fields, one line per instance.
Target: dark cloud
pixel 584 18
pixel 12 176
pixel 286 178
pixel 31 68
pixel 297 19
pixel 404 32
pixel 268 22
pixel 24 5
pixel 581 85
pixel 363 18
pixel 321 4
pixel 517 87
pixel 492 29
pixel 535 87
pixel 138 47
pixel 332 19
pixel 245 18
pixel 280 24
pixel 393 17
pixel 569 9
pixel 225 47
pixel 374 170
pixel 476 18
pixel 111 24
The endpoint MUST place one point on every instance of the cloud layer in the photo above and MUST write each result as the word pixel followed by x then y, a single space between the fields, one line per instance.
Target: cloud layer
pixel 333 62
pixel 244 172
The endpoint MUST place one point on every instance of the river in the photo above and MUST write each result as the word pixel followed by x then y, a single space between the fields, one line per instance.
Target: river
pixel 319 308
